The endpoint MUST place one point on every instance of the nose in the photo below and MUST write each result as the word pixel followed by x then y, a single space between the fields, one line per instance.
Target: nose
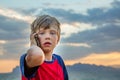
pixel 47 36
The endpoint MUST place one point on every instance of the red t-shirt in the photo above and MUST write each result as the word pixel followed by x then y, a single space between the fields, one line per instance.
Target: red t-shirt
pixel 49 70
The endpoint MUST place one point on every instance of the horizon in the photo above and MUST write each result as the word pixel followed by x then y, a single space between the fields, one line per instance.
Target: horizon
pixel 118 66
pixel 8 70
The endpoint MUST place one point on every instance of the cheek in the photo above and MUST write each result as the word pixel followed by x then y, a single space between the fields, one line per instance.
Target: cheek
pixel 40 39
pixel 55 40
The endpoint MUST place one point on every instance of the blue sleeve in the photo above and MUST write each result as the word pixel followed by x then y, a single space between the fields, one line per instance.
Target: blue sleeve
pixel 22 68
pixel 61 62
pixel 22 58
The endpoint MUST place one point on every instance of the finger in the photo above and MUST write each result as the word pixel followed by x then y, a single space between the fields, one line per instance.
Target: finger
pixel 32 35
pixel 32 39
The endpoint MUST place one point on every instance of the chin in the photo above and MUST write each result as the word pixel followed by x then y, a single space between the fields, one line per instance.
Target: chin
pixel 47 50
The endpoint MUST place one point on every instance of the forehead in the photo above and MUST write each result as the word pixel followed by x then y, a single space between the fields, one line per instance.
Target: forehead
pixel 50 28
pixel 47 25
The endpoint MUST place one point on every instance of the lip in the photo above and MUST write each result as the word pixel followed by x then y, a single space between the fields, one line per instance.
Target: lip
pixel 47 44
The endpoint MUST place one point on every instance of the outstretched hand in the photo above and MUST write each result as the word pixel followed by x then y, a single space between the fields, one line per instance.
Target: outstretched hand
pixel 35 55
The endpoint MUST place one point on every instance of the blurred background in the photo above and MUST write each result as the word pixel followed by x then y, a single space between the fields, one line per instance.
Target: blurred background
pixel 90 36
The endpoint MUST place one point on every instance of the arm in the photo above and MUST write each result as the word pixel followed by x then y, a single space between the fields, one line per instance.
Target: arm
pixel 35 55
pixel 33 58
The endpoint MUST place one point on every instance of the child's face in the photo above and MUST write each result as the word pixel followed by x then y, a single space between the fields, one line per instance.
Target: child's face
pixel 48 39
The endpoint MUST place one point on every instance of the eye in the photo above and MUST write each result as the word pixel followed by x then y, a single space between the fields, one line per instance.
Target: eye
pixel 53 32
pixel 41 33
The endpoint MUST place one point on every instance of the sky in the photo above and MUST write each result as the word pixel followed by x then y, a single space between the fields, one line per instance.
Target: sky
pixel 90 30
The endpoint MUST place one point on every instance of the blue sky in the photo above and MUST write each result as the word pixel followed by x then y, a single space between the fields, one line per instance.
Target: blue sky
pixel 90 29
pixel 77 5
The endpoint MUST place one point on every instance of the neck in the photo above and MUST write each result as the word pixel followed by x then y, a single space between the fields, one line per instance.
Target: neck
pixel 48 56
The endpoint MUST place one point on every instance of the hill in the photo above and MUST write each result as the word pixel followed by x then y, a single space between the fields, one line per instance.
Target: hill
pixel 92 72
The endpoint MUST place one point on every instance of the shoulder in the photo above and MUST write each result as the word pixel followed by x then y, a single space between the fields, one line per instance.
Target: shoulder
pixel 22 57
pixel 57 56
pixel 59 59
pixel 61 62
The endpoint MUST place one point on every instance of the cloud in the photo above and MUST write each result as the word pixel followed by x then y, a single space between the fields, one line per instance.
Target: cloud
pixel 101 40
pixel 106 59
pixel 14 31
pixel 15 15
pixel 1 51
pixel 76 44
pixel 2 42
pixel 8 65
pixel 99 29
pixel 14 48
pixel 103 33
pixel 95 16
pixel 68 29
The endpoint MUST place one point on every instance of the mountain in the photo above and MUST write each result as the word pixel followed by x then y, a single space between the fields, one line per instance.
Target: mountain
pixel 92 72
pixel 14 75
pixel 77 72
pixel 116 66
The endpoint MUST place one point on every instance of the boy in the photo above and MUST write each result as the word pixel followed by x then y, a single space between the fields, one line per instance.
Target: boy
pixel 39 63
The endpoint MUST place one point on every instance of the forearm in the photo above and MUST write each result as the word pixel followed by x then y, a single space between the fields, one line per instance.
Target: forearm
pixel 29 71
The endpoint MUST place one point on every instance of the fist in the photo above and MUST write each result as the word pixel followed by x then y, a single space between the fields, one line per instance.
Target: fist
pixel 35 56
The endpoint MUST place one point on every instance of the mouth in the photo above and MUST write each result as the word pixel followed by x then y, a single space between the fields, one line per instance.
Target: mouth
pixel 47 44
